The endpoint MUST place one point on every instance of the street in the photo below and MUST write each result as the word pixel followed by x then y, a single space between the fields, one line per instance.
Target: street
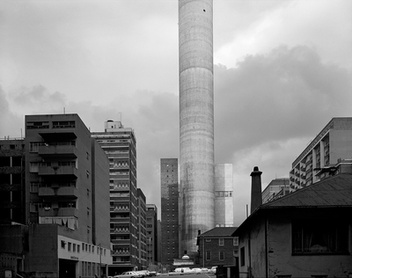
pixel 191 275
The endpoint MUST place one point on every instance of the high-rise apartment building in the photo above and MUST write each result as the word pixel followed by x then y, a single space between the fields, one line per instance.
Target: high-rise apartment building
pixel 67 198
pixel 333 143
pixel 12 181
pixel 223 195
pixel 196 114
pixel 142 224
pixel 152 234
pixel 119 144
pixel 169 210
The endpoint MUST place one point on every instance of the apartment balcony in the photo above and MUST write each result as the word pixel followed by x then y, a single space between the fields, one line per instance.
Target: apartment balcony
pixel 68 170
pixel 52 212
pixel 119 209
pixel 69 191
pixel 115 262
pixel 121 254
pixel 120 231
pixel 58 150
pixel 120 220
pixel 124 241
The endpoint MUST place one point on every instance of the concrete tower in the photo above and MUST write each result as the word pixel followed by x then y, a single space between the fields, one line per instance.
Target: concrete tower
pixel 196 115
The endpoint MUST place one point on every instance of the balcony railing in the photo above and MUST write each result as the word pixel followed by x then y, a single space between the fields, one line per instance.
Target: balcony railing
pixel 61 191
pixel 58 212
pixel 58 150
pixel 68 170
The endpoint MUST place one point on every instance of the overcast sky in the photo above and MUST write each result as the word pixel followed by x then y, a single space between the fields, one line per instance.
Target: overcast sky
pixel 283 69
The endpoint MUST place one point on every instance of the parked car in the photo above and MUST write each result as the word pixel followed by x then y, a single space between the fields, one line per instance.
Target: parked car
pixel 129 274
pixel 144 273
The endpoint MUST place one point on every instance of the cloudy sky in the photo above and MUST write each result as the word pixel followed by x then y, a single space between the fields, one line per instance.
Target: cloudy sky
pixel 283 69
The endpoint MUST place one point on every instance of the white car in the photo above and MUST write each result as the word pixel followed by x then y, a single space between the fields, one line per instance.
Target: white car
pixel 129 274
pixel 144 273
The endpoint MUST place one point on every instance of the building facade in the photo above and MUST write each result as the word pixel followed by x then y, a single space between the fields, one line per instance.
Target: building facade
pixel 12 205
pixel 304 234
pixel 217 247
pixel 67 192
pixel 12 181
pixel 333 143
pixel 119 144
pixel 275 189
pixel 169 210
pixel 152 234
pixel 196 115
pixel 223 195
pixel 142 223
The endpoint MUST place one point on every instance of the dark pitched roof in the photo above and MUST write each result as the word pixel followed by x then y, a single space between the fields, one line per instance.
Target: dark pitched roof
pixel 335 191
pixel 332 191
pixel 219 232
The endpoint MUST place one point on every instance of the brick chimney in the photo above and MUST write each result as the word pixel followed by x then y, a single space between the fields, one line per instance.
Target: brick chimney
pixel 255 189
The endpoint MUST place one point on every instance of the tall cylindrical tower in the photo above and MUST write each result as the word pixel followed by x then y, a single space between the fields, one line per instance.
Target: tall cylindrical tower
pixel 196 116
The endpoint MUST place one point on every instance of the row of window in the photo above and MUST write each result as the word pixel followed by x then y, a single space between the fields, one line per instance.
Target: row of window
pixel 221 241
pixel 46 124
pixel 221 255
pixel 75 247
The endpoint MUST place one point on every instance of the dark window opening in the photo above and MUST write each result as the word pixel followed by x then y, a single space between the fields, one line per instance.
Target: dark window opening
pixel 320 237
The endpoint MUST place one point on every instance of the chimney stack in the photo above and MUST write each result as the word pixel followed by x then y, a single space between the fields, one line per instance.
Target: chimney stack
pixel 255 189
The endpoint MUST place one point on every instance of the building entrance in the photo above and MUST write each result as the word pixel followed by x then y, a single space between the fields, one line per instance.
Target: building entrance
pixel 67 268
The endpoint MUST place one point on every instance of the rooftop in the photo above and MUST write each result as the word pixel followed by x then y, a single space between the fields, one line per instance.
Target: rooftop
pixel 219 232
pixel 332 192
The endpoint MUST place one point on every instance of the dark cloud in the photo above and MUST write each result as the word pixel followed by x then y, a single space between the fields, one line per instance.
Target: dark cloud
pixel 282 95
pixel 266 110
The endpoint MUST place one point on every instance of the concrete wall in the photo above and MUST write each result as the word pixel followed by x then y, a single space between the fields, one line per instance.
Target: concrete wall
pixel 43 249
pixel 281 260
pixel 277 245
pixel 101 196
pixel 196 113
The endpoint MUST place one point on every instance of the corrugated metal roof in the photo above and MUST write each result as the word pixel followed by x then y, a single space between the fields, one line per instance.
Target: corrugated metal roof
pixel 219 232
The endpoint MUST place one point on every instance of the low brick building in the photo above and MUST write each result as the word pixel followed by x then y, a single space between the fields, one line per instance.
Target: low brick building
pixel 217 247
pixel 304 234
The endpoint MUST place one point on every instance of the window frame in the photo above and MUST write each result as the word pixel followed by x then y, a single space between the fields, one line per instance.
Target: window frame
pixel 320 237
pixel 208 255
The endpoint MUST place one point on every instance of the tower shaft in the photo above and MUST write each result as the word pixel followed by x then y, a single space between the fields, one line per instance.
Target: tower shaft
pixel 196 115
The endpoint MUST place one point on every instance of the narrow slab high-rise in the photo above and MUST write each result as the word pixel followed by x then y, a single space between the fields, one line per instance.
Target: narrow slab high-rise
pixel 196 113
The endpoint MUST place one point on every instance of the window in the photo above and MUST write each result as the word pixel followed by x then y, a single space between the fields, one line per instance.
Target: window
pixel 242 259
pixel 221 256
pixel 63 244
pixel 319 237
pixel 34 187
pixel 221 242
pixel 235 241
pixel 208 255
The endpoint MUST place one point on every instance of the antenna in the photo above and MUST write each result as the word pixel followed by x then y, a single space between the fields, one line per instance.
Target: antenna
pixel 64 110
